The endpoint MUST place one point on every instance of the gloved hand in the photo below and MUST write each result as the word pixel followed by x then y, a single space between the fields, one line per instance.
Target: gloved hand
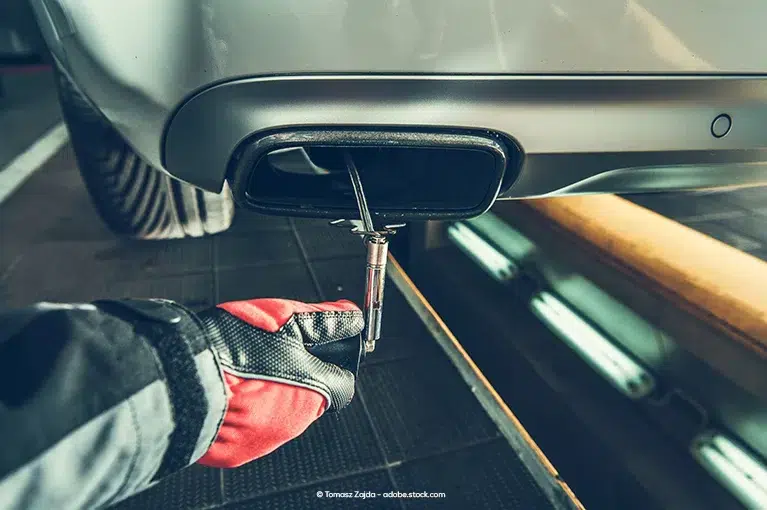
pixel 276 387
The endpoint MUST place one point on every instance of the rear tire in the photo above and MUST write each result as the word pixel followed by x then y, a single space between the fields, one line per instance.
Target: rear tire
pixel 133 198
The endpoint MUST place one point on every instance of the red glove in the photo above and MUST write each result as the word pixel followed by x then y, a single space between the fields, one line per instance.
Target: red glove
pixel 276 387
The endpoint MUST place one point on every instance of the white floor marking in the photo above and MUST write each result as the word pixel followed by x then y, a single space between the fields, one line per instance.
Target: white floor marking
pixel 15 173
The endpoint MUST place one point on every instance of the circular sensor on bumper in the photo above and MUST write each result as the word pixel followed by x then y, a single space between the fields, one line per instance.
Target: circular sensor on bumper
pixel 721 125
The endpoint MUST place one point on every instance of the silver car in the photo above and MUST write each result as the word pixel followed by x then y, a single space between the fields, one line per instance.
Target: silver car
pixel 177 106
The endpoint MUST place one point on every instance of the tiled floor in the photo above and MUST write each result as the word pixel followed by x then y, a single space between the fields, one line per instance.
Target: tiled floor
pixel 413 426
pixel 28 107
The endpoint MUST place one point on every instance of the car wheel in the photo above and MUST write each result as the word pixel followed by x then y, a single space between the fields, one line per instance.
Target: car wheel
pixel 133 198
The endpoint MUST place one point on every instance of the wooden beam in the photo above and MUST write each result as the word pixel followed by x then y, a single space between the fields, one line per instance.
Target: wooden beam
pixel 718 283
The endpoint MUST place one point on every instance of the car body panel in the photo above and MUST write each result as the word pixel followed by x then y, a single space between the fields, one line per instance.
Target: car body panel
pixel 613 133
pixel 139 61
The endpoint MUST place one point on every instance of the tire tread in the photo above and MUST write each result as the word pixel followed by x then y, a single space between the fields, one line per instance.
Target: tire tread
pixel 133 198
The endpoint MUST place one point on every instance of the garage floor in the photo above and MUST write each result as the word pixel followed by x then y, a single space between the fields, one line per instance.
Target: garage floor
pixel 28 107
pixel 414 425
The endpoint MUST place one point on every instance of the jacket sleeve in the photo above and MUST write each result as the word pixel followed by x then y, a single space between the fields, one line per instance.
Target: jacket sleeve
pixel 100 401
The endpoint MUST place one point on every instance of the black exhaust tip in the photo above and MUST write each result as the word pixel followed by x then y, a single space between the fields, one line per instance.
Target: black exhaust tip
pixel 408 175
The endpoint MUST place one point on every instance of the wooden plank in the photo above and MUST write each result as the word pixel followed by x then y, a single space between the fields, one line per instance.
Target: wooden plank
pixel 718 283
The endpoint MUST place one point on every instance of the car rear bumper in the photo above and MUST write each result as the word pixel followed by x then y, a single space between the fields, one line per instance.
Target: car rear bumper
pixel 139 61
pixel 577 134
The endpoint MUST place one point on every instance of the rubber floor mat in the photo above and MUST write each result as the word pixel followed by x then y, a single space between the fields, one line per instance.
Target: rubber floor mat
pixel 421 407
pixel 489 475
pixel 369 490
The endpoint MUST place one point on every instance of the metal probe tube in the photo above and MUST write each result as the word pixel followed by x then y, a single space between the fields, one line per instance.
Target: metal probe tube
pixel 378 250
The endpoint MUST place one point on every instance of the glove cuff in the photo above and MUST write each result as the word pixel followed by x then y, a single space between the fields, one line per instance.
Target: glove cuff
pixel 195 383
